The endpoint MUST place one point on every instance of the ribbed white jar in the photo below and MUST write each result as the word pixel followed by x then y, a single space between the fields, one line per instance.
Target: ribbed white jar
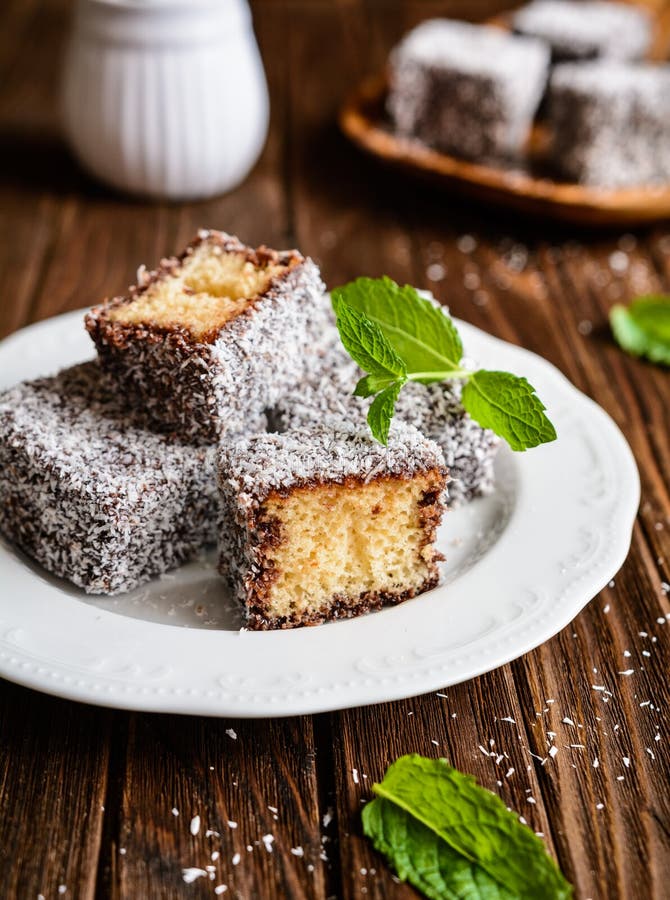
pixel 165 98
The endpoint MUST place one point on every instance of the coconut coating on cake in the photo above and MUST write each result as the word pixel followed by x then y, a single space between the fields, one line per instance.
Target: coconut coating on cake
pixel 90 494
pixel 610 123
pixel 470 90
pixel 436 410
pixel 586 30
pixel 326 523
pixel 193 351
pixel 325 354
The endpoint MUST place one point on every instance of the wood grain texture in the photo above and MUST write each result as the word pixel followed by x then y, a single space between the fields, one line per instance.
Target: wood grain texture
pixel 66 241
pixel 234 796
pixel 54 760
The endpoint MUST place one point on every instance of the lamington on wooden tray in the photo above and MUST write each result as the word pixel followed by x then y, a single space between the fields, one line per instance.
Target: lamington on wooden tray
pixel 211 337
pixel 587 29
pixel 610 123
pixel 470 90
pixel 325 523
pixel 92 496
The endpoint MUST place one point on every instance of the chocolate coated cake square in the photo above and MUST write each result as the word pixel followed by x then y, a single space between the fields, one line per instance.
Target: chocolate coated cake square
pixel 610 123
pixel 211 337
pixel 469 90
pixel 325 523
pixel 91 495
pixel 586 29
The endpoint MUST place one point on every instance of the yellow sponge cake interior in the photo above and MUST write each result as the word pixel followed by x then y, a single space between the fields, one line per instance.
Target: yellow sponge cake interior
pixel 208 289
pixel 344 542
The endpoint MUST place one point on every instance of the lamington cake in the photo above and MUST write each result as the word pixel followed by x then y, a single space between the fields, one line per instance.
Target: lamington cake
pixel 470 90
pixel 587 29
pixel 211 337
pixel 325 523
pixel 610 123
pixel 92 496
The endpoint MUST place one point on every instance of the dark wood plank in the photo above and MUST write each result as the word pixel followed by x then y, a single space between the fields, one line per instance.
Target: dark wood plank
pixel 479 727
pixel 28 143
pixel 53 780
pixel 239 797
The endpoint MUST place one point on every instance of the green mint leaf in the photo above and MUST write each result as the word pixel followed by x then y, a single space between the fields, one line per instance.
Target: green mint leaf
pixel 372 384
pixel 643 328
pixel 509 406
pixel 366 345
pixel 421 857
pixel 473 823
pixel 381 412
pixel 421 333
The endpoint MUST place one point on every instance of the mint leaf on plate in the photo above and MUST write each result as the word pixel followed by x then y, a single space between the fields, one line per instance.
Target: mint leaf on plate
pixel 370 385
pixel 509 406
pixel 452 839
pixel 366 344
pixel 420 332
pixel 643 328
pixel 395 336
pixel 381 412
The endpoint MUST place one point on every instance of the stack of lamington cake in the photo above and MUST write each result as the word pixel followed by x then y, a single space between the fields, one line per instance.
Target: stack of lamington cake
pixel 118 469
pixel 578 66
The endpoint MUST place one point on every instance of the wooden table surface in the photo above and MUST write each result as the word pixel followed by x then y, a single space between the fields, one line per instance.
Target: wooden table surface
pixel 88 797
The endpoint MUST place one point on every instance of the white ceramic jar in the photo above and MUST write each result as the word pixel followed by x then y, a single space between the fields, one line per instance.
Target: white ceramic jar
pixel 165 98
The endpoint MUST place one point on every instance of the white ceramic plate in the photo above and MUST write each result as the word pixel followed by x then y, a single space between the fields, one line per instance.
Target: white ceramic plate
pixel 520 565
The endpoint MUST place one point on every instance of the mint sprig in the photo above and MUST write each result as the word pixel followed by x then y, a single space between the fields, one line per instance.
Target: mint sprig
pixel 643 328
pixel 451 839
pixel 396 336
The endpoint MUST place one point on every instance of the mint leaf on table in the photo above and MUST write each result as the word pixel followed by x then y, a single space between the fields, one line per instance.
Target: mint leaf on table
pixel 452 839
pixel 643 328
pixel 421 857
pixel 509 406
pixel 419 331
pixel 395 336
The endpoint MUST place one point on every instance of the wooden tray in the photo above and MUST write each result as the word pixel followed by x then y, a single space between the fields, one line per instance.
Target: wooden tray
pixel 363 119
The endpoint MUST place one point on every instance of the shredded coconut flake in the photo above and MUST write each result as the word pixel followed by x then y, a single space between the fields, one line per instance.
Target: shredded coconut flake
pixel 192 874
